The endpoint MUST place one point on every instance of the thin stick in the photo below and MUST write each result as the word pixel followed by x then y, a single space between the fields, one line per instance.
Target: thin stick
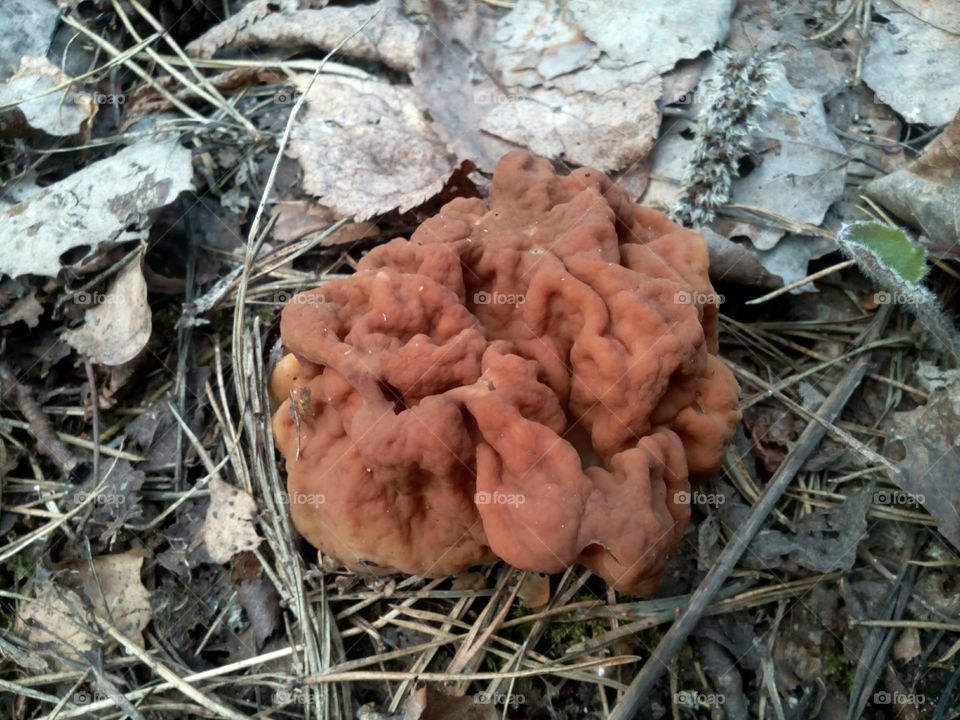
pixel 94 417
pixel 800 283
pixel 49 443
pixel 170 676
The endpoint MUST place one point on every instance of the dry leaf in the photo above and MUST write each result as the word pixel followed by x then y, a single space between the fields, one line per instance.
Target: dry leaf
pixel 228 527
pixel 104 203
pixel 942 15
pixel 62 113
pixel 658 32
pixel 298 219
pixel 116 594
pixel 801 169
pixel 365 148
pixel 908 645
pixel 912 65
pixel 732 262
pixel 427 703
pixel 803 172
pixel 117 326
pixel 535 590
pixel 469 581
pixel 127 599
pixel 27 27
pixel 390 37
pixel 928 440
pixel 926 193
pixel 531 79
pixel 26 308
pixel 52 620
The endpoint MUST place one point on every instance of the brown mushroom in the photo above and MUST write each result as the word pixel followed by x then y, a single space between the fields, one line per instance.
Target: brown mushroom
pixel 534 378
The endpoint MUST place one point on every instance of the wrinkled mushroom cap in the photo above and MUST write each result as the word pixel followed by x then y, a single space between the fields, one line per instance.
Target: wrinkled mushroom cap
pixel 532 378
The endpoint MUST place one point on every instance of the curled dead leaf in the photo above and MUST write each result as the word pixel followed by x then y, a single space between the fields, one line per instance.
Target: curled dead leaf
pixel 118 324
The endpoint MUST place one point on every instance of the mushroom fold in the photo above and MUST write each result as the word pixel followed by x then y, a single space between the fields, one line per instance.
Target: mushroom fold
pixel 533 378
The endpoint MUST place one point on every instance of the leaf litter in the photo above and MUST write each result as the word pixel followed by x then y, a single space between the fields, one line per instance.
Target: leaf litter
pixel 181 543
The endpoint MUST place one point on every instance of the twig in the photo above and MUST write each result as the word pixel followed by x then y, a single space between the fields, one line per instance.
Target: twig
pixel 94 417
pixel 170 676
pixel 673 640
pixel 800 283
pixel 49 443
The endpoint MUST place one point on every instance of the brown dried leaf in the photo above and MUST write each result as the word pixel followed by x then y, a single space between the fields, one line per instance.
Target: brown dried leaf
pixel 535 590
pixel 26 308
pixel 228 527
pixel 297 219
pixel 365 148
pixel 908 645
pixel 927 439
pixel 926 193
pixel 113 589
pixel 118 325
pixel 427 703
pixel 390 37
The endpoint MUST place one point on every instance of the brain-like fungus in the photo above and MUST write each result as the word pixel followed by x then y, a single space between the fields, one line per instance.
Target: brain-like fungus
pixel 532 378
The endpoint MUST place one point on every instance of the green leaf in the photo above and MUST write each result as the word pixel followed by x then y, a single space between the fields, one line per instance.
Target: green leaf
pixel 890 247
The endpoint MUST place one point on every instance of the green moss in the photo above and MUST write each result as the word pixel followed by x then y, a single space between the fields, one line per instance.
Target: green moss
pixel 839 668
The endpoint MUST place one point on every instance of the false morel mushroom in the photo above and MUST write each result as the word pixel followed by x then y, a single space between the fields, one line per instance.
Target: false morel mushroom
pixel 532 378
